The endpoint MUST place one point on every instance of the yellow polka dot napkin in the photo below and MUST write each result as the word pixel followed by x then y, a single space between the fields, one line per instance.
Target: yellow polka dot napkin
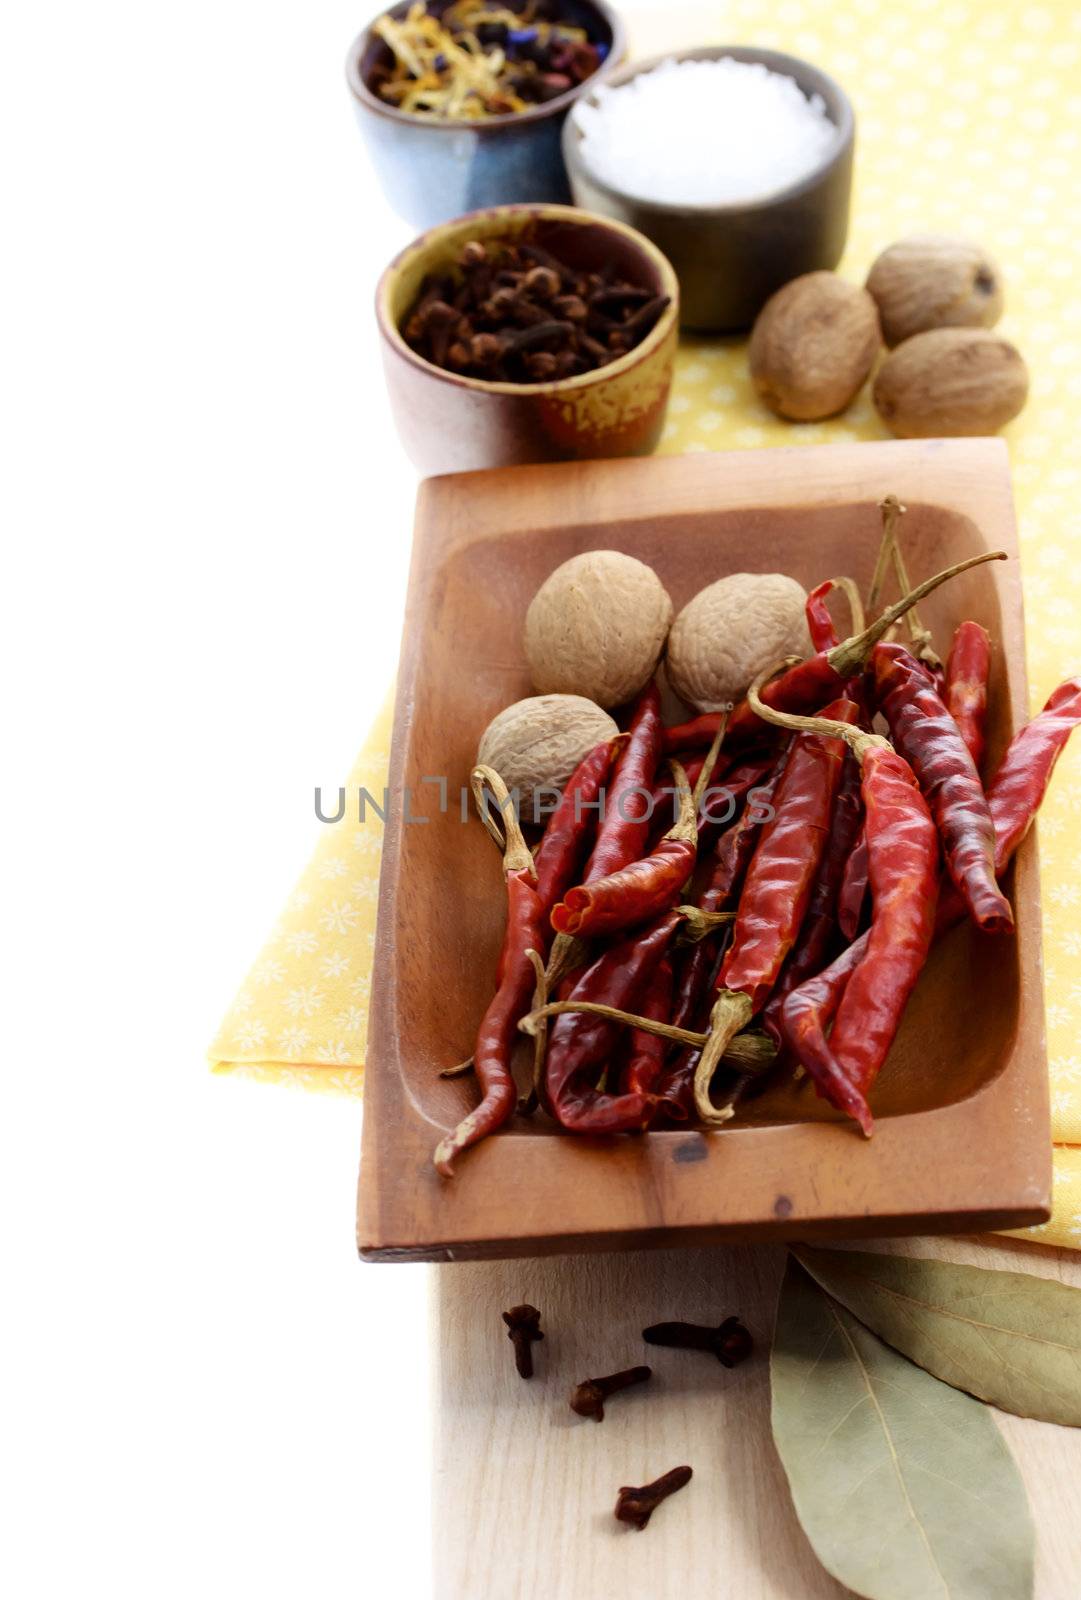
pixel 968 120
pixel 301 1015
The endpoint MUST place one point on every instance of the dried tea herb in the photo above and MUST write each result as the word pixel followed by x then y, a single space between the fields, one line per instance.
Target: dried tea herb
pixel 466 59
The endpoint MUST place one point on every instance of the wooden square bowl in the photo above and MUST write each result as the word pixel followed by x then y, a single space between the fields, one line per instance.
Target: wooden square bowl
pixel 962 1137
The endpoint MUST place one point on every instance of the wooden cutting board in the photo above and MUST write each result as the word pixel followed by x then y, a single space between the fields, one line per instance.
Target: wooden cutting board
pixel 962 1139
pixel 524 1489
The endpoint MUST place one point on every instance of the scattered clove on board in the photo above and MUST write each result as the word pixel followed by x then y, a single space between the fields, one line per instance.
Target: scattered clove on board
pixel 523 1328
pixel 636 1506
pixel 730 1343
pixel 589 1397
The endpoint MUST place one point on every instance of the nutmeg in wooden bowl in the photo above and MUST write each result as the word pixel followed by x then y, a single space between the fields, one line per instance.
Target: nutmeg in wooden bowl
pixel 453 422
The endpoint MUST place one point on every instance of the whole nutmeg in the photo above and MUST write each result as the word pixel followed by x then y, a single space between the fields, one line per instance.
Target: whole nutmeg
pixel 536 744
pixel 934 281
pixel 951 381
pixel 597 627
pixel 813 345
pixel 732 631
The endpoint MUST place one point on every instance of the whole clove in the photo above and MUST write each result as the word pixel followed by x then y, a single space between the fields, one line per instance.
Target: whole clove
pixel 589 1397
pixel 636 1506
pixel 510 307
pixel 730 1343
pixel 523 1329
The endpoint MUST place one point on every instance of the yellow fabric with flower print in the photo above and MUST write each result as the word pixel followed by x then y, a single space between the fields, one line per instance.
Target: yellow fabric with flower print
pixel 967 118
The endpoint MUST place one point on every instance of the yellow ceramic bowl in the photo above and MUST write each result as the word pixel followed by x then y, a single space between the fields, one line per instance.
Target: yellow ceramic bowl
pixel 450 423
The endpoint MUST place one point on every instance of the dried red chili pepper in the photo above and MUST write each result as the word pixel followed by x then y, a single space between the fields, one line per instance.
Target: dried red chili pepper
pixel 853 890
pixel 927 736
pixel 781 873
pixel 566 838
pixel 814 945
pixel 648 1050
pixel 515 980
pixel 820 623
pixel 775 895
pixel 624 828
pixel 1015 793
pixel 734 850
pixel 641 890
pixel 806 1015
pixel 697 734
pixel 580 1044
pixel 902 844
pixel 967 671
pixel 809 684
pixel 731 857
pixel 719 801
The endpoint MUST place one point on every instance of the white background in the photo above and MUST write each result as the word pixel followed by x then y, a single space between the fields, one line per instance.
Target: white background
pixel 206 526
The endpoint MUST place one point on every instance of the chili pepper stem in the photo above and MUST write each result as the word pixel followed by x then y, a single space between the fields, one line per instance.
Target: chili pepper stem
pixel 685 827
pixel 517 856
pixel 923 645
pixel 858 741
pixel 851 593
pixel 705 777
pixel 535 1021
pixel 700 924
pixel 458 1071
pixel 750 1052
pixel 851 657
pixel 731 1013
pixel 892 511
pixel 530 1101
pixel 567 954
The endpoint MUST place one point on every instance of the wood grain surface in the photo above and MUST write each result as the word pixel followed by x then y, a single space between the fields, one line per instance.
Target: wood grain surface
pixel 962 1136
pixel 524 1489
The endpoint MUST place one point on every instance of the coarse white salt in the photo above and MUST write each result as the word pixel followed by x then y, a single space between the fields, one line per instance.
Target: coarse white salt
pixel 704 132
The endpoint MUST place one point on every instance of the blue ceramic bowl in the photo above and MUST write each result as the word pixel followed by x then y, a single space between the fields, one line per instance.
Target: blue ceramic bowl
pixel 431 169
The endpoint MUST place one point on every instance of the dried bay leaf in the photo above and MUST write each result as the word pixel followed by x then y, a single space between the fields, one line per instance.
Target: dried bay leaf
pixel 1008 1337
pixel 904 1486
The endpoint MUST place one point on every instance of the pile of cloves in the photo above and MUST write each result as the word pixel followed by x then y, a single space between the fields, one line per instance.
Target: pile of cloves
pixel 511 313
pixel 730 1343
